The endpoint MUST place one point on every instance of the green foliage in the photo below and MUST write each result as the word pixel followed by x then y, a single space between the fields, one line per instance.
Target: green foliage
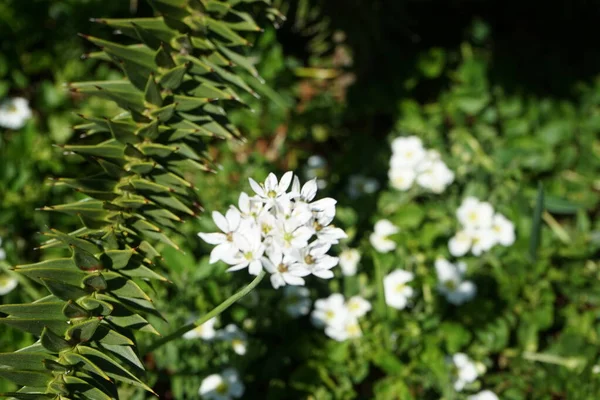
pixel 179 84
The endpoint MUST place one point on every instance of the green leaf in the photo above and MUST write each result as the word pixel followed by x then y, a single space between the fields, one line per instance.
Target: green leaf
pixel 53 342
pixel 85 389
pixel 52 310
pixel 35 326
pixel 105 335
pixel 84 331
pixel 113 369
pixel 62 290
pixel 24 361
pixel 119 258
pixel 108 149
pixel 536 227
pixel 86 261
pixel 81 362
pixel 24 378
pixel 173 78
pixel 27 396
pixel 96 282
pixel 97 307
pixel 152 92
pixel 72 310
pixel 126 355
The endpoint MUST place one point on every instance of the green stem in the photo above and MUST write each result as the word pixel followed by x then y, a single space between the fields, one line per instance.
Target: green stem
pixel 215 312
pixel 382 309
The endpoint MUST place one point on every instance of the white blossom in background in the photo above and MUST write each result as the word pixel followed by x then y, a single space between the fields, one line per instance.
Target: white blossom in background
pixel 349 259
pixel 236 337
pixel 316 167
pixel 359 185
pixel 452 284
pixel 205 331
pixel 380 237
pixel 7 284
pixel 281 229
pixel 2 252
pixel 224 386
pixel 412 163
pixel 340 317
pixel 484 395
pixel 296 301
pixel 464 371
pixel 396 289
pixel 482 229
pixel 14 113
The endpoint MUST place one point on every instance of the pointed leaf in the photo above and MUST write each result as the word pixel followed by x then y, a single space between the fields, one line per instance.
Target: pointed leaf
pixel 24 378
pixel 63 290
pixel 53 342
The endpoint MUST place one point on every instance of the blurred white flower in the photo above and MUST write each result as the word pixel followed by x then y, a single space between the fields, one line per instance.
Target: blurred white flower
pixel 348 329
pixel 407 152
pixel 315 168
pixel 379 238
pixel 481 229
pixel 484 395
pixel 360 184
pixel 7 284
pixel 402 178
pixel 2 252
pixel 14 113
pixel 296 301
pixel 283 232
pixel 235 336
pixel 503 229
pixel 358 306
pixel 411 163
pixel 340 317
pixel 460 244
pixel 464 371
pixel 205 331
pixel 452 283
pixel 475 214
pixel 396 289
pixel 329 311
pixel 349 259
pixel 224 386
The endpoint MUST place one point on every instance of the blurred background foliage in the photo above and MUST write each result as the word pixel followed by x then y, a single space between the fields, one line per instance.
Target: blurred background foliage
pixel 507 92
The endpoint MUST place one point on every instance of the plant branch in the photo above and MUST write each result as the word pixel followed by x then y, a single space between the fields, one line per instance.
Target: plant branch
pixel 215 312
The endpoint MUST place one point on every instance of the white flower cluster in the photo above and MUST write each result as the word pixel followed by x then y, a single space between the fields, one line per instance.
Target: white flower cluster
pixel 482 229
pixel 231 334
pixel 340 317
pixel 396 289
pixel 224 386
pixel 484 395
pixel 411 163
pixel 349 259
pixel 285 233
pixel 14 113
pixel 452 283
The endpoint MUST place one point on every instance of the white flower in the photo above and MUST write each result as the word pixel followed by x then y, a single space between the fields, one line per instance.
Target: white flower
pixel 228 224
pixel 14 113
pixel 407 152
pixel 330 311
pixel 349 259
pixel 379 238
pixel 482 240
pixel 7 284
pixel 484 395
pixel 237 338
pixel 305 193
pixel 296 301
pixel 205 331
pixel 347 329
pixel 435 176
pixel 452 283
pixel 475 214
pixel 282 271
pixel 314 259
pixel 460 244
pixel 464 371
pixel 358 306
pixel 503 229
pixel 251 251
pixel 291 233
pixel 396 289
pixel 402 178
pixel 327 233
pixel 250 207
pixel 224 386
pixel 271 191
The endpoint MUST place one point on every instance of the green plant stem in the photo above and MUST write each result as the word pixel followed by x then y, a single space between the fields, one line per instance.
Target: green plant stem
pixel 215 312
pixel 381 304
